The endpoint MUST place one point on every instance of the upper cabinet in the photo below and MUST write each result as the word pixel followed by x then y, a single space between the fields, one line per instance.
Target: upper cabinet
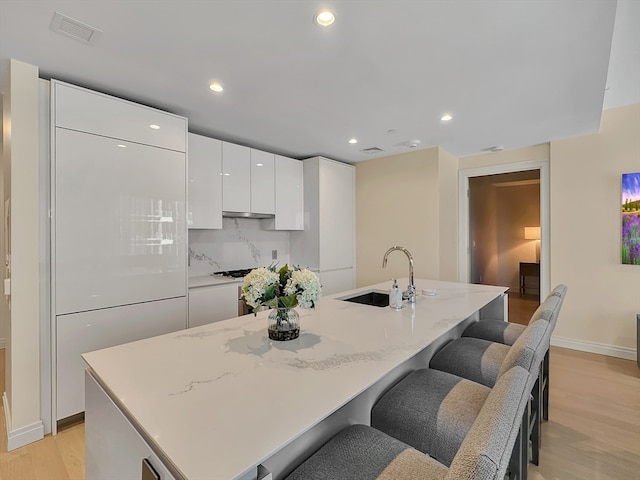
pixel 262 182
pixel 236 178
pixel 205 183
pixel 76 108
pixel 289 195
pixel 232 180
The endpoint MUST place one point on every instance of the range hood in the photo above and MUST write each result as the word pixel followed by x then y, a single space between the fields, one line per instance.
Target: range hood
pixel 247 215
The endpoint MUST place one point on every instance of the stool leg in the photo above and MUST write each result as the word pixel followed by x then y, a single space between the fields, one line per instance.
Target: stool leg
pixel 545 386
pixel 534 423
pixel 519 455
pixel 524 445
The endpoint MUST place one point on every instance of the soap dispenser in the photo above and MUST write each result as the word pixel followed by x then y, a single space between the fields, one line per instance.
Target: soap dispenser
pixel 395 296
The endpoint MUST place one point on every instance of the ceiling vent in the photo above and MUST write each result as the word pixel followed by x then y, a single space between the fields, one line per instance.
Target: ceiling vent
pixel 371 150
pixel 74 29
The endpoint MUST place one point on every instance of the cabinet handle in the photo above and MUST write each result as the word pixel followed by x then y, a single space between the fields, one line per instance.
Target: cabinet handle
pixel 148 472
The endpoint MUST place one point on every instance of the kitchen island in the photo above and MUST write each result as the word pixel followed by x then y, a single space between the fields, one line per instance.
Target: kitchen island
pixel 217 401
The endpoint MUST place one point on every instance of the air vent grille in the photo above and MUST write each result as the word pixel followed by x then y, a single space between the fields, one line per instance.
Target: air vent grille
pixel 74 29
pixel 371 150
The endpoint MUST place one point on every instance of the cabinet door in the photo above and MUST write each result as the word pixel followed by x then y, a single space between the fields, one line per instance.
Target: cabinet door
pixel 114 448
pixel 86 111
pixel 335 281
pixel 79 333
pixel 205 182
pixel 262 182
pixel 212 304
pixel 337 215
pixel 236 178
pixel 289 194
pixel 120 213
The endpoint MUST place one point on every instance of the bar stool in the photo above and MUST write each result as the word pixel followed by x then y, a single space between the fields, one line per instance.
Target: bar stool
pixel 360 452
pixel 432 410
pixel 500 331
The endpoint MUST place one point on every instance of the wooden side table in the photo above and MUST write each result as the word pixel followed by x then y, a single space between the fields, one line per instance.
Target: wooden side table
pixel 529 269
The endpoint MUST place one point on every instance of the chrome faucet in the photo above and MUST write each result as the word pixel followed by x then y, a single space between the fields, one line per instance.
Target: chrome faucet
pixel 410 293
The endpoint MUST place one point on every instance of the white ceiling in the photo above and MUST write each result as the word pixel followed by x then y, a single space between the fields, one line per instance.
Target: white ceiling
pixel 512 73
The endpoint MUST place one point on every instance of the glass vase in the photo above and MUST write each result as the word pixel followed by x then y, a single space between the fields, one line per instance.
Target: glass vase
pixel 284 324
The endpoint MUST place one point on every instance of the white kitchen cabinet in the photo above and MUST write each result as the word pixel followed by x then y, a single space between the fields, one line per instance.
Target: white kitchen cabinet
pixel 337 215
pixel 213 303
pixel 83 110
pixel 205 183
pixel 118 230
pixel 328 241
pixel 289 195
pixel 262 182
pixel 114 448
pixel 79 333
pixel 236 175
pixel 120 234
pixel 335 281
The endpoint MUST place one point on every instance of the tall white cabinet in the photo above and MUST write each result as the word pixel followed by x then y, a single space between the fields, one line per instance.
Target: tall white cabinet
pixel 327 243
pixel 119 230
pixel 205 182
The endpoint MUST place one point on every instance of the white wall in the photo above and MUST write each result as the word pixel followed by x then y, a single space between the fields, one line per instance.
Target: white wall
pixel 585 231
pixel 604 295
pixel 21 170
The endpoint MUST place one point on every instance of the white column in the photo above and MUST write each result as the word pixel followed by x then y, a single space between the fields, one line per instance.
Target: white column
pixel 21 163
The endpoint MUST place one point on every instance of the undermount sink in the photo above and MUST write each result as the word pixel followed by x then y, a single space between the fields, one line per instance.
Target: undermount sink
pixel 373 298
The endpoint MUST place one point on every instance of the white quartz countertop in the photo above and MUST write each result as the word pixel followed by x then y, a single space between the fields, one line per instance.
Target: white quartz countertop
pixel 209 280
pixel 219 399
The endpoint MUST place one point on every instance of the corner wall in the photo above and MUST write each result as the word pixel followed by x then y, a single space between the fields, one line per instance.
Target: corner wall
pixel 410 200
pixel 603 299
pixel 604 295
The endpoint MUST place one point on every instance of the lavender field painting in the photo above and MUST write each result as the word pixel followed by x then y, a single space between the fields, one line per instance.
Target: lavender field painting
pixel 631 218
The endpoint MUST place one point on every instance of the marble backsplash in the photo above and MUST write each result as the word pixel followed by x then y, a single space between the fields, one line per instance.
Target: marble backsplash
pixel 240 244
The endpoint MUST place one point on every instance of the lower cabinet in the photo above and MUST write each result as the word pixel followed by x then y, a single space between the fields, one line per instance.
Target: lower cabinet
pixel 113 447
pixel 78 333
pixel 213 303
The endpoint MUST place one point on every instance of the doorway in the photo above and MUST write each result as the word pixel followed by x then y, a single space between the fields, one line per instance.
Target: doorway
pixel 504 232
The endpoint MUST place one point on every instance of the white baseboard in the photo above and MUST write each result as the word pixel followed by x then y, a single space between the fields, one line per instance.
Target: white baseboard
pixel 23 435
pixel 592 347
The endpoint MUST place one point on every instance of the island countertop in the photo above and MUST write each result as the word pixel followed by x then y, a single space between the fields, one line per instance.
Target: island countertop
pixel 220 398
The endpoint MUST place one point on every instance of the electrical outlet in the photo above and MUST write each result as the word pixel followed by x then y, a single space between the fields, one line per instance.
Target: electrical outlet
pixel 274 254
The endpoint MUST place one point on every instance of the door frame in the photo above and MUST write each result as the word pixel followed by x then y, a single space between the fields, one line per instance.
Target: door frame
pixel 464 252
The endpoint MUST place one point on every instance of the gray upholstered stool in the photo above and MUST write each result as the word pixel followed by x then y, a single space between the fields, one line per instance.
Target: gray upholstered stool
pixel 363 453
pixel 432 410
pixel 483 362
pixel 507 333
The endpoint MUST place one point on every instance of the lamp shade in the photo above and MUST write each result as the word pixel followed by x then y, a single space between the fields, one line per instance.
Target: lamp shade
pixel 532 233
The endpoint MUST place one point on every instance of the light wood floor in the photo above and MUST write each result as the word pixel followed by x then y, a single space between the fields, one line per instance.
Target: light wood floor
pixel 593 432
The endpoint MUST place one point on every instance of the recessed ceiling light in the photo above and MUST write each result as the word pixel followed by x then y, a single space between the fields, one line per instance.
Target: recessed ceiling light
pixel 121 145
pixel 353 140
pixel 155 127
pixel 259 164
pixel 324 18
pixel 216 87
pixel 446 117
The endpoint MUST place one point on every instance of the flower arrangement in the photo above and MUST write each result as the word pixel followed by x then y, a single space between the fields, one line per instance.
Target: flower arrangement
pixel 283 288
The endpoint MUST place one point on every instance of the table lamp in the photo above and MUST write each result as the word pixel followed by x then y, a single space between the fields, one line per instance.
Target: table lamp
pixel 533 233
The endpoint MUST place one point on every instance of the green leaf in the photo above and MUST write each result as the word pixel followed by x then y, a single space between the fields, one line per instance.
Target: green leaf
pixel 270 292
pixel 289 301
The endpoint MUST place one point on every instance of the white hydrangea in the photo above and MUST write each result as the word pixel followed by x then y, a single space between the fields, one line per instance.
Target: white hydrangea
pixel 255 284
pixel 306 286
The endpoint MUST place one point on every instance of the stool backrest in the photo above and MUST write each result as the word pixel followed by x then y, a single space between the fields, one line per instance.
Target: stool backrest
pixel 529 349
pixel 559 292
pixel 486 450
